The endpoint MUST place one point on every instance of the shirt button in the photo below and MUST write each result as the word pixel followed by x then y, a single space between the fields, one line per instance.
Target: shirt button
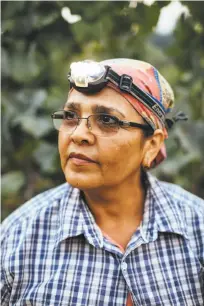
pixel 124 266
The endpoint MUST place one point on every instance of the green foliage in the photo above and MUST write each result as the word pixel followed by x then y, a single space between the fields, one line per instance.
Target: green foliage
pixel 38 46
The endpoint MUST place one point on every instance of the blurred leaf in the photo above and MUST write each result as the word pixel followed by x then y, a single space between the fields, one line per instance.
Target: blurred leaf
pixel 45 156
pixel 172 166
pixel 12 182
pixel 25 66
pixel 5 68
pixel 35 126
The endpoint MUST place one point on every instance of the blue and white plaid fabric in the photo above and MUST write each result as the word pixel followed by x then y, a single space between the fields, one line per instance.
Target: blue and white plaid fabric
pixel 53 253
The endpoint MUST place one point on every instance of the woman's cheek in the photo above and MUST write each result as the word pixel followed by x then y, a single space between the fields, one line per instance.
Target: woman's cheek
pixel 63 143
pixel 111 158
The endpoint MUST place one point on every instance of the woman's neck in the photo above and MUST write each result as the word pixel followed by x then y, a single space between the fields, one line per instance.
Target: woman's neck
pixel 118 205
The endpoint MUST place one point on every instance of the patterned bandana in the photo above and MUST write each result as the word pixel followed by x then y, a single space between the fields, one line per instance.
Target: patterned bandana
pixel 148 78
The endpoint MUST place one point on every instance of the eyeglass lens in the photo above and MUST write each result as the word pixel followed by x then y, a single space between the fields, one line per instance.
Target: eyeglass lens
pixel 100 124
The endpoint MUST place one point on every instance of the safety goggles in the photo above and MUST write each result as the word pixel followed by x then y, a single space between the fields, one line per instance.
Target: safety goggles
pixel 90 77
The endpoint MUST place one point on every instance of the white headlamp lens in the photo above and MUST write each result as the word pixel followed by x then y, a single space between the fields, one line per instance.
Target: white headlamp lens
pixel 86 72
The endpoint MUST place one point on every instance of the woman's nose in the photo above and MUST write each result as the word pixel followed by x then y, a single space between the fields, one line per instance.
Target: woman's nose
pixel 82 133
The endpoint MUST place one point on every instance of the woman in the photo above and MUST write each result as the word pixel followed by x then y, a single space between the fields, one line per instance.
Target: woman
pixel 114 235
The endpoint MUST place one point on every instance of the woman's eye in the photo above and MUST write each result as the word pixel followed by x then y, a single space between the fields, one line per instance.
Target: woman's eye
pixel 106 119
pixel 70 115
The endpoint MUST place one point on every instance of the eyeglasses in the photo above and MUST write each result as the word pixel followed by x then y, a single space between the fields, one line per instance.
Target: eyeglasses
pixel 100 124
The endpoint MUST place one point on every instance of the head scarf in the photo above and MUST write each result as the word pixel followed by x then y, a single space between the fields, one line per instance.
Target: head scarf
pixel 148 78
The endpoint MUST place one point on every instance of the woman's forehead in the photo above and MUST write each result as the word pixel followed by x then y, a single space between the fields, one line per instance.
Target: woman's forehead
pixel 107 97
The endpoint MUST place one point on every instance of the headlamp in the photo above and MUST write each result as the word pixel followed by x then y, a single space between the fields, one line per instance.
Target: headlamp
pixel 87 76
pixel 90 77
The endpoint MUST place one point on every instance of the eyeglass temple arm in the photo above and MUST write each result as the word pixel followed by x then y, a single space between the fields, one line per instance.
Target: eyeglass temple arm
pixel 134 124
pixel 180 116
pixel 57 116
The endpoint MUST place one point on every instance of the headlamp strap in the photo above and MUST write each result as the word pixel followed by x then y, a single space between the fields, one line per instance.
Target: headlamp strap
pixel 125 83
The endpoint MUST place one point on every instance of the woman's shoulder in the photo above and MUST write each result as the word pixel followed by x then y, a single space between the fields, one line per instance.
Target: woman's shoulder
pixel 187 207
pixel 33 209
pixel 183 197
pixel 190 209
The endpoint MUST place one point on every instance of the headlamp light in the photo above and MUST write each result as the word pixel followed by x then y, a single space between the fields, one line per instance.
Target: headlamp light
pixel 87 74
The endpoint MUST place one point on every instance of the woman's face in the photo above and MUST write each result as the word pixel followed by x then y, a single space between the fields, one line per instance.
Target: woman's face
pixel 116 158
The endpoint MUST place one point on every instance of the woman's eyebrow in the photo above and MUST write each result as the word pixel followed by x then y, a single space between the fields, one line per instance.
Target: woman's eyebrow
pixel 95 108
pixel 105 109
pixel 73 105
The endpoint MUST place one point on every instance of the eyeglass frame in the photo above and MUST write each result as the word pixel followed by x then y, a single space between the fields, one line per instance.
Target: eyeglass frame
pixel 121 123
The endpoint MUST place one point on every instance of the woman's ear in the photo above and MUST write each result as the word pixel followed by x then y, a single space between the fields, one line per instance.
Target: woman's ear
pixel 151 147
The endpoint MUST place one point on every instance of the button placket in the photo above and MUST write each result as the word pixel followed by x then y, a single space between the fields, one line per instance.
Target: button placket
pixel 124 266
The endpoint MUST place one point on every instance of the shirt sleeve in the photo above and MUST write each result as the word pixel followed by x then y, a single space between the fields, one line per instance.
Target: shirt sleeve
pixel 5 291
pixel 11 231
pixel 195 227
pixel 14 230
pixel 5 286
pixel 191 209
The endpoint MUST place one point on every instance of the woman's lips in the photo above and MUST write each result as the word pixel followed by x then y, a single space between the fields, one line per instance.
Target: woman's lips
pixel 80 159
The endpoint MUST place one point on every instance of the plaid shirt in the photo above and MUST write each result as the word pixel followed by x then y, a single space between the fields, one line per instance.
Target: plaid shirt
pixel 53 253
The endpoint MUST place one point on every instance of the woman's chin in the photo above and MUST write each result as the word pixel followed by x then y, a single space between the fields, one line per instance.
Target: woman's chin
pixel 82 182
